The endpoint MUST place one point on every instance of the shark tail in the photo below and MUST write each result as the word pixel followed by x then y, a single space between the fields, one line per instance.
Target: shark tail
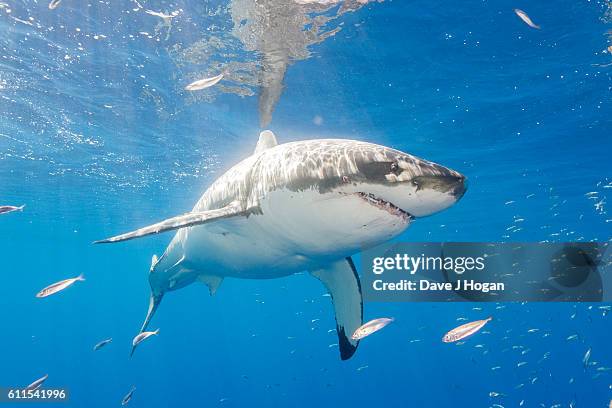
pixel 154 302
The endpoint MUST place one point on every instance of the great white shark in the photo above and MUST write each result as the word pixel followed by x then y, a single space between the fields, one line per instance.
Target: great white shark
pixel 300 206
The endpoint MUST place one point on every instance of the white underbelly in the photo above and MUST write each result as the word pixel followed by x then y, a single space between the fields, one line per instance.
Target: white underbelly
pixel 295 232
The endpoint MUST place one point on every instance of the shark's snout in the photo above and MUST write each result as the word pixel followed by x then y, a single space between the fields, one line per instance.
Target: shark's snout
pixel 460 187
pixel 431 193
pixel 455 185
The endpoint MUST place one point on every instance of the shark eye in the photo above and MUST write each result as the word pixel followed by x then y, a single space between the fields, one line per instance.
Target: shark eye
pixel 345 179
pixel 394 167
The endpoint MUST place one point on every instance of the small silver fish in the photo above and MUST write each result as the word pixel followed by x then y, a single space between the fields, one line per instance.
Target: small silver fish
pixel 142 336
pixel 465 330
pixel 370 327
pixel 161 15
pixel 36 384
pixel 586 358
pixel 204 83
pixel 523 16
pixel 102 344
pixel 572 337
pixel 5 209
pixel 128 396
pixel 59 286
pixel 54 4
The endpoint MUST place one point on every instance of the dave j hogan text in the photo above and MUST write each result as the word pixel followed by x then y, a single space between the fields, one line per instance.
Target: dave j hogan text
pixel 431 286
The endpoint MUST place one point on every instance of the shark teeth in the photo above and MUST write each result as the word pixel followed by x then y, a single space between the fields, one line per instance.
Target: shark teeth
pixel 385 205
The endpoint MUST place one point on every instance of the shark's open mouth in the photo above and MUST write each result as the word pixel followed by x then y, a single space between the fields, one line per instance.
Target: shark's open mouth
pixel 385 205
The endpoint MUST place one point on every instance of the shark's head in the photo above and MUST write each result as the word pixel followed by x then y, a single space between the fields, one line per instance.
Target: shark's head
pixel 399 181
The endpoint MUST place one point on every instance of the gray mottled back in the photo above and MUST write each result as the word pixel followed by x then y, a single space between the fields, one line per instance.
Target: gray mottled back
pixel 312 164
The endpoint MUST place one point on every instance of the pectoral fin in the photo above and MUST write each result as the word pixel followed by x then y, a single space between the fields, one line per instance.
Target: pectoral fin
pixel 186 220
pixel 342 283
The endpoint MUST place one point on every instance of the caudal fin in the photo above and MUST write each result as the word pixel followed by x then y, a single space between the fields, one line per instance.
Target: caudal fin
pixel 154 302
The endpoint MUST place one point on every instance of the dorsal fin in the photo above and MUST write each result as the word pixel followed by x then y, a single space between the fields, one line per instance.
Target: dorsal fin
pixel 266 141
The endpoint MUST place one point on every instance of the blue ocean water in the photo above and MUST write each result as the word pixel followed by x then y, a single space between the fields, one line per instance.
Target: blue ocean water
pixel 97 136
